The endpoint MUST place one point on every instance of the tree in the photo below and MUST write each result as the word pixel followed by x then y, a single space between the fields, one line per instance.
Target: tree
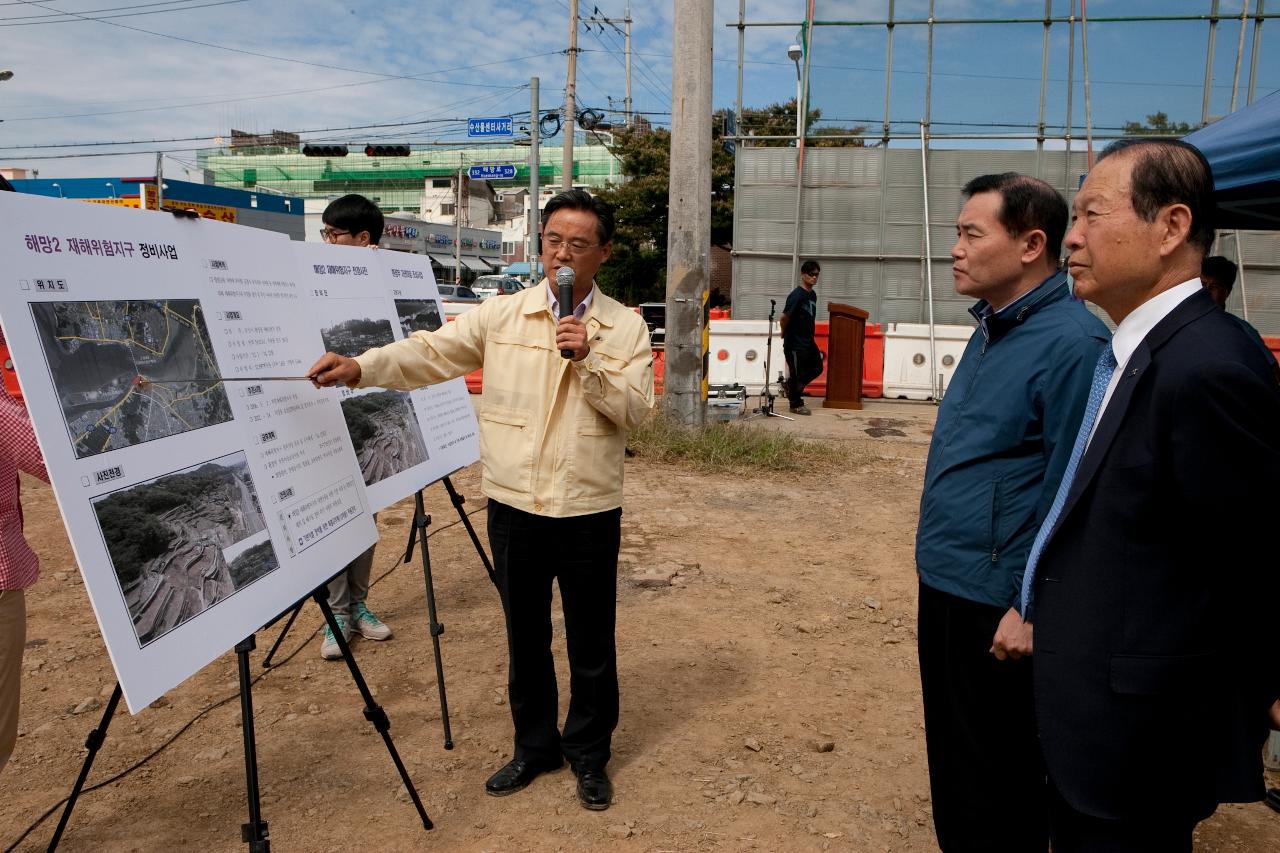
pixel 637 270
pixel 1158 124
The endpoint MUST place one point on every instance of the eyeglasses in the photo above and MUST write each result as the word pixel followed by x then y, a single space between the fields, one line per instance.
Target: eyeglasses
pixel 330 235
pixel 555 242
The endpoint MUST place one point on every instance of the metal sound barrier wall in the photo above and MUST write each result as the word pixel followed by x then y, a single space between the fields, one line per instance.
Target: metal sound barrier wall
pixel 861 217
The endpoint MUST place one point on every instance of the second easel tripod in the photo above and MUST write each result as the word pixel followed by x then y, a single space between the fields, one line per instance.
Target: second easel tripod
pixel 419 530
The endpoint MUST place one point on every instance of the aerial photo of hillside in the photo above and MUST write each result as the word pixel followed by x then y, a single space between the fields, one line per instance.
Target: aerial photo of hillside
pixel 169 541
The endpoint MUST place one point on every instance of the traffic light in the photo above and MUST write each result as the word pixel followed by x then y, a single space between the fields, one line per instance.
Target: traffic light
pixel 324 151
pixel 386 151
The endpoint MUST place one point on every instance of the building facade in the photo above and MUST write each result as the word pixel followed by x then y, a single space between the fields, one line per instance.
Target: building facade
pixel 269 211
pixel 421 182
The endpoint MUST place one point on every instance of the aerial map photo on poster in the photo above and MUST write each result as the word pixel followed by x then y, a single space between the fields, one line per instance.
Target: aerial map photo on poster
pixel 130 372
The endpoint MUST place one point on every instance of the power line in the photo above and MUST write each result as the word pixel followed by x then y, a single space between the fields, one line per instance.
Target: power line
pixel 222 46
pixel 460 122
pixel 205 137
pixel 423 77
pixel 70 17
pixel 73 17
pixel 645 72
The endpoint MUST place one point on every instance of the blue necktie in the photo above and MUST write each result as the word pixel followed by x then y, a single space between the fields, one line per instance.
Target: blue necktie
pixel 1097 390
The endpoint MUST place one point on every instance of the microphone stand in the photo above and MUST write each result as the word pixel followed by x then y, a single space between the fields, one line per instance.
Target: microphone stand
pixel 765 409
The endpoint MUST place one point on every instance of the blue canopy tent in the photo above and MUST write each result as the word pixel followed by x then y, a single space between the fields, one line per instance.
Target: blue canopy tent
pixel 1244 151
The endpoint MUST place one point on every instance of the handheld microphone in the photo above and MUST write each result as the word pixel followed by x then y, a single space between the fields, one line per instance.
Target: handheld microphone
pixel 564 280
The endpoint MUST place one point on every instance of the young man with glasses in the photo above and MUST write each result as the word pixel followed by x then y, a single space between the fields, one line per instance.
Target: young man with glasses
pixel 552 435
pixel 352 220
pixel 799 317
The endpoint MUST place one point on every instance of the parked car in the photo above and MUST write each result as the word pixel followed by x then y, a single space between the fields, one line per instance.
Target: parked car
pixel 457 292
pixel 496 285
pixel 456 298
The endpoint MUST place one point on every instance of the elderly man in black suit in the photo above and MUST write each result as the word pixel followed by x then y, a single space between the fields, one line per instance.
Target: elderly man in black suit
pixel 1153 675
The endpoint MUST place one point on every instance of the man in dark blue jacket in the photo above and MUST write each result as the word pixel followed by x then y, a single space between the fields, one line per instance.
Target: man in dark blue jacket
pixel 1003 437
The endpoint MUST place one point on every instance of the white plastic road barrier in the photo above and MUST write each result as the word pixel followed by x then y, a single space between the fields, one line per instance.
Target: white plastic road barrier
pixel 907 372
pixel 737 354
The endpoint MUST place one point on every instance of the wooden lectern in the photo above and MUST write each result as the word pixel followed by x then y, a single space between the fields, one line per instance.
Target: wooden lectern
pixel 844 356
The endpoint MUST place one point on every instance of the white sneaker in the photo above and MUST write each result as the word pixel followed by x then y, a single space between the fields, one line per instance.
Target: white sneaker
pixel 370 626
pixel 329 649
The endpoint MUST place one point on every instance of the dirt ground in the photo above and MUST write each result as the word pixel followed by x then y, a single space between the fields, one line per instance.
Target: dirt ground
pixel 770 697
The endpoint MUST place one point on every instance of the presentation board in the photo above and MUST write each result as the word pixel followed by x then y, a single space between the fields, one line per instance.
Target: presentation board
pixel 198 506
pixel 361 299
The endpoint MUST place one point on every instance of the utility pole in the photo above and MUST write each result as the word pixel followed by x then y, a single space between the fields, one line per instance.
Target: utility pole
pixel 627 105
pixel 159 181
pixel 457 228
pixel 626 35
pixel 689 203
pixel 570 108
pixel 535 161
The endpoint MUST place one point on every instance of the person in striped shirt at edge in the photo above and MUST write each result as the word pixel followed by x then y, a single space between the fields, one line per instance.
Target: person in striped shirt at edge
pixel 19 566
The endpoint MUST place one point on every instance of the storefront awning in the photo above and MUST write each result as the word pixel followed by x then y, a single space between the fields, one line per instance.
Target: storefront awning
pixel 469 262
pixel 494 263
pixel 520 268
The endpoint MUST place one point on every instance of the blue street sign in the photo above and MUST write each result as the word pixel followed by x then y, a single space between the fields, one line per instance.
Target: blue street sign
pixel 491 173
pixel 500 126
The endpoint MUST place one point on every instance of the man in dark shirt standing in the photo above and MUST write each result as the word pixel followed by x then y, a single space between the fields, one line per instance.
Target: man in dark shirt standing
pixel 804 359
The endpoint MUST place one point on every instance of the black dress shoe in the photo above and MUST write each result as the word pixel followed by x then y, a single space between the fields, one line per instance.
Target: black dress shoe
pixel 595 791
pixel 1273 798
pixel 515 776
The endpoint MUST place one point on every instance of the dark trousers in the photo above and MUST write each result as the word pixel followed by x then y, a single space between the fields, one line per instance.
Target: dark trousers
pixel 804 364
pixel 1074 832
pixel 986 772
pixel 581 554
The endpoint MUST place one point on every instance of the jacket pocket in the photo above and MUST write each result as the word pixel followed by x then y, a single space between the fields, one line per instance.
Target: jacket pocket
pixel 596 424
pixel 506 446
pixel 595 463
pixel 993 528
pixel 1157 675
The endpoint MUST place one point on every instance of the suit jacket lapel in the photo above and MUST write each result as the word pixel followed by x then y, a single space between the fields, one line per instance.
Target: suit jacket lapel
pixel 1108 427
pixel 1192 308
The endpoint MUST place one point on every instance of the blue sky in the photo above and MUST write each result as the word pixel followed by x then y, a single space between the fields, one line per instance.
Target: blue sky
pixel 206 66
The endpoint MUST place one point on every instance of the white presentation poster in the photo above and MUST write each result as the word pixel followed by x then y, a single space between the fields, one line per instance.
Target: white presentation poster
pixel 198 508
pixel 364 298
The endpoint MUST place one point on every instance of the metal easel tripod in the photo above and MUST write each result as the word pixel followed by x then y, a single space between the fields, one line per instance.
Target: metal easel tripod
pixel 254 833
pixel 418 528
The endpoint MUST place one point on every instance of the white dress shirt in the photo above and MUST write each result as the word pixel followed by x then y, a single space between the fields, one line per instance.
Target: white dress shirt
pixel 1134 328
pixel 554 301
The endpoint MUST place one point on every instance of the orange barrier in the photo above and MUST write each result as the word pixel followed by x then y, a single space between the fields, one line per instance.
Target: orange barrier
pixel 1273 344
pixel 10 377
pixel 872 360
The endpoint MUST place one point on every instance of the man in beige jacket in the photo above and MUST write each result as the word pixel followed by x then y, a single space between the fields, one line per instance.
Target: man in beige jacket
pixel 553 432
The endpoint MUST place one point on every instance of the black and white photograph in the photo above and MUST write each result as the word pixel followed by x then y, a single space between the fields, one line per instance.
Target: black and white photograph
pixel 185 541
pixel 385 432
pixel 352 337
pixel 418 315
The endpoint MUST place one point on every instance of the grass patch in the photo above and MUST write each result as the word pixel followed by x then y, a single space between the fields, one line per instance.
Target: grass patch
pixel 732 448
